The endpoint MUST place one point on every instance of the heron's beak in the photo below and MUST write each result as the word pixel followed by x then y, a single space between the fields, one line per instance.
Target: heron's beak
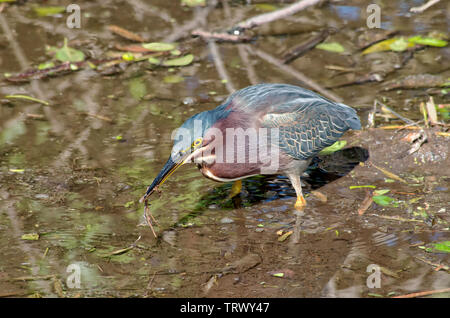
pixel 163 175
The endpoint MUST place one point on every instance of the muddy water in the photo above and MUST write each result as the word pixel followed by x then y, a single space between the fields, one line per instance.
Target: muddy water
pixel 75 179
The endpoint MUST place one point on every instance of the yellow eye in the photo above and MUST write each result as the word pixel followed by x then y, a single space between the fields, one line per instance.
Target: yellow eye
pixel 197 142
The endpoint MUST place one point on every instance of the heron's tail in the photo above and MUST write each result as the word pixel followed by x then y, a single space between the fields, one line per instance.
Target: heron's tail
pixel 351 117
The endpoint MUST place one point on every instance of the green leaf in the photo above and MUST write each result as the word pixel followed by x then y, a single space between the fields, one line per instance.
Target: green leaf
pixel 381 191
pixel 154 60
pixel 46 65
pixel 159 46
pixel 362 186
pixel 68 54
pixel 137 87
pixel 281 275
pixel 193 3
pixel 442 246
pixel 17 170
pixel 399 45
pixel 29 98
pixel 386 46
pixel 383 200
pixel 46 11
pixel 129 203
pixel 30 237
pixel 173 79
pixel 331 47
pixel 338 145
pixel 175 52
pixel 181 61
pixel 128 57
pixel 427 41
pixel 267 7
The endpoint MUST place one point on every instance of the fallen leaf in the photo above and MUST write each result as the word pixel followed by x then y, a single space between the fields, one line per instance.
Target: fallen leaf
pixel 173 79
pixel 331 47
pixel 193 3
pixel 283 237
pixel 159 46
pixel 125 33
pixel 30 237
pixel 181 61
pixel 68 54
pixel 427 41
pixel 29 98
pixel 383 200
pixel 46 11
pixel 442 246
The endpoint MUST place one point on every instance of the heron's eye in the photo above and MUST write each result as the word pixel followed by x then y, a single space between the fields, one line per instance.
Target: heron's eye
pixel 197 142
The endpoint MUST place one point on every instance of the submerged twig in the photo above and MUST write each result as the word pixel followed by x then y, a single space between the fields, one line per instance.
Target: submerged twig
pixel 251 73
pixel 149 217
pixel 424 293
pixel 304 47
pixel 436 265
pixel 298 75
pixel 220 66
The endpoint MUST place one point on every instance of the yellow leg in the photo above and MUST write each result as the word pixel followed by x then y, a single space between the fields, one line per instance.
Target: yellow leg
pixel 235 189
pixel 300 204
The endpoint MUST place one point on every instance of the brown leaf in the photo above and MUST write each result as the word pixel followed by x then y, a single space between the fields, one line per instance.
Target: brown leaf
pixel 125 33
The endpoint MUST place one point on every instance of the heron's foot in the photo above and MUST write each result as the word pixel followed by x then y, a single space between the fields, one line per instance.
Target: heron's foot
pixel 300 204
pixel 235 189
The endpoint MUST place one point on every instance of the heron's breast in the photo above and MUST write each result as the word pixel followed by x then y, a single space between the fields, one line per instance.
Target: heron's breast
pixel 226 172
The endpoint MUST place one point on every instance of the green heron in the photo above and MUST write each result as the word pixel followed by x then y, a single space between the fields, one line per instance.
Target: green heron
pixel 261 129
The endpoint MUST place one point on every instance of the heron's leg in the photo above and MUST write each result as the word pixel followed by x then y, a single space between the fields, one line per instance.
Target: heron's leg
pixel 300 204
pixel 235 189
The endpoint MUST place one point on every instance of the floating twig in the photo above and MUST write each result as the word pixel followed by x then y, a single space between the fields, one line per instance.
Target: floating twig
pixel 406 120
pixel 275 15
pixel 35 116
pixel 397 218
pixel 424 293
pixel 125 33
pixel 423 7
pixel 436 265
pixel 226 37
pixel 367 202
pixel 29 98
pixel 392 127
pixel 109 120
pixel 388 173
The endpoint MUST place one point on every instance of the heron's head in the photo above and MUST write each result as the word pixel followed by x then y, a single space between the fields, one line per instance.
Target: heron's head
pixel 188 140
